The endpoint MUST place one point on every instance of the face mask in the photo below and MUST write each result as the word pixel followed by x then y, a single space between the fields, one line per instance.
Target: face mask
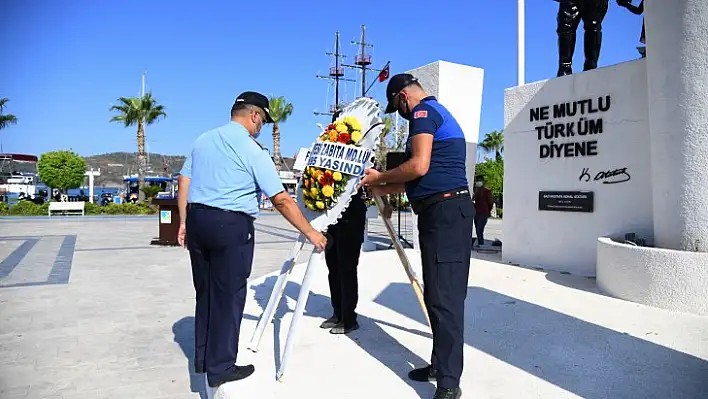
pixel 257 133
pixel 404 114
pixel 478 184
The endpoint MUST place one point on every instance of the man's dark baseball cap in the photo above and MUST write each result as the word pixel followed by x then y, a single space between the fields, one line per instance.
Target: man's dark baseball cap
pixel 257 99
pixel 395 85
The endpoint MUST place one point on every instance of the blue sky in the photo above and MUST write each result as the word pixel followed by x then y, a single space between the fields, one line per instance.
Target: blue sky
pixel 65 63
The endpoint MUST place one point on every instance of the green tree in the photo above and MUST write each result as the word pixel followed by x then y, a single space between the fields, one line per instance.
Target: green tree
pixel 400 136
pixel 139 111
pixel 280 110
pixel 494 141
pixel 492 171
pixel 5 119
pixel 383 146
pixel 150 191
pixel 62 169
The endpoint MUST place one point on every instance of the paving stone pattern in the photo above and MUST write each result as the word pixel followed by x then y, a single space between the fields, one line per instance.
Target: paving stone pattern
pixel 90 309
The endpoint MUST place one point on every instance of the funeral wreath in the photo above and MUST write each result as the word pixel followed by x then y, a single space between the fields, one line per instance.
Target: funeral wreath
pixel 322 187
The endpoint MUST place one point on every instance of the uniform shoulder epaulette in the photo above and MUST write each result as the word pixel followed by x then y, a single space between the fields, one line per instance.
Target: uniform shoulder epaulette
pixel 259 144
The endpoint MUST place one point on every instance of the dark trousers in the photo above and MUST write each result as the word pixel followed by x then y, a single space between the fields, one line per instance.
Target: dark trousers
pixel 480 222
pixel 445 234
pixel 344 241
pixel 570 12
pixel 220 246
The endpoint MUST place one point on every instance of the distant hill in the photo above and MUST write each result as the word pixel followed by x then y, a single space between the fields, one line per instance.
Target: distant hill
pixel 115 165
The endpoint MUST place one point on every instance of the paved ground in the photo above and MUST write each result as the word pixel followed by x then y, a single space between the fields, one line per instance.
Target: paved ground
pixel 90 309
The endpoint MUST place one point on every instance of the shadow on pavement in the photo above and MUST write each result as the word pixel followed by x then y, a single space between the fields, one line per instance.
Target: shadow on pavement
pixel 318 306
pixel 581 283
pixel 586 359
pixel 370 337
pixel 183 331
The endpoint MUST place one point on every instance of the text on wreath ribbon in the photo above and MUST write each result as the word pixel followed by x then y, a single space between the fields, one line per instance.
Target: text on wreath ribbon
pixel 337 157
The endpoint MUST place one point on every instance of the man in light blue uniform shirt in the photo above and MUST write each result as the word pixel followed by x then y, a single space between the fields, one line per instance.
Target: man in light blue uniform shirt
pixel 219 187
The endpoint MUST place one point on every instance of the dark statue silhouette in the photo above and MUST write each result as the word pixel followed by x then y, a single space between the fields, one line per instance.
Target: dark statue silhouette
pixel 636 10
pixel 570 12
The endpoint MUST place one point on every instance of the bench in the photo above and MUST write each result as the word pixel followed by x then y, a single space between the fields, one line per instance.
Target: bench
pixel 67 207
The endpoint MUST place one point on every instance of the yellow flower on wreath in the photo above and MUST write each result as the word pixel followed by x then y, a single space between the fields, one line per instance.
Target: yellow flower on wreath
pixel 341 128
pixel 356 136
pixel 354 124
pixel 327 191
pixel 310 205
pixel 319 204
pixel 337 176
pixel 314 192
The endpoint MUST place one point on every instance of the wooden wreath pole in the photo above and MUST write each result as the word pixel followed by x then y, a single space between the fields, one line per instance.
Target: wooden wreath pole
pixel 417 288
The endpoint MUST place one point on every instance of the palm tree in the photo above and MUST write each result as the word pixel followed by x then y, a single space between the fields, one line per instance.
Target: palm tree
pixel 280 110
pixel 139 111
pixel 5 119
pixel 494 141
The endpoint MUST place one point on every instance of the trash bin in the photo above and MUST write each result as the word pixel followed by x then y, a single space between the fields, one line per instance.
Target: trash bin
pixel 168 220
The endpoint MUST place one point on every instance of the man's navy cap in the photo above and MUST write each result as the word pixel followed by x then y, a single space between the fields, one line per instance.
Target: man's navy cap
pixel 257 99
pixel 395 85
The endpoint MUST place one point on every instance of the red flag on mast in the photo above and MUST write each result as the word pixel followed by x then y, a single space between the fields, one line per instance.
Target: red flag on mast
pixel 383 75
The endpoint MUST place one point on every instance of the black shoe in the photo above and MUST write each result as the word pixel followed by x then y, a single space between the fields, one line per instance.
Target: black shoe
pixel 425 374
pixel 237 373
pixel 342 329
pixel 448 393
pixel 330 323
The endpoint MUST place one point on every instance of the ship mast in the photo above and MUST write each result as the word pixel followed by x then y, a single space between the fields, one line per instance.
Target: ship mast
pixel 362 60
pixel 336 73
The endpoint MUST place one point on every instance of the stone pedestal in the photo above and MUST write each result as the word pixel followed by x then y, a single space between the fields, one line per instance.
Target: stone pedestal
pixel 677 69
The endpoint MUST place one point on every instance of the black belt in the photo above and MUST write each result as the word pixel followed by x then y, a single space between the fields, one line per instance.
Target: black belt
pixel 213 208
pixel 420 205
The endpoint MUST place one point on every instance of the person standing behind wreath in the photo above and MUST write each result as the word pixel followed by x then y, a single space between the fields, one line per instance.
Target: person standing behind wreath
pixel 483 204
pixel 435 182
pixel 344 240
pixel 219 187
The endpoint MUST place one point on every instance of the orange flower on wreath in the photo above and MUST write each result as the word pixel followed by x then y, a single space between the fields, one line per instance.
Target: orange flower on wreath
pixel 344 138
pixel 326 179
pixel 333 135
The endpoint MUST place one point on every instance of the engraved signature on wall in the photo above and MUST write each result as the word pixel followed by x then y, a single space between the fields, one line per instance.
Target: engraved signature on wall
pixel 606 176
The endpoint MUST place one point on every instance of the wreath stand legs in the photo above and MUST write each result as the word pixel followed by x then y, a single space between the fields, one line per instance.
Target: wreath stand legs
pixel 317 260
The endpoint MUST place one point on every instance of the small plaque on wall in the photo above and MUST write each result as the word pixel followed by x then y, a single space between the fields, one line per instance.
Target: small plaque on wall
pixel 566 201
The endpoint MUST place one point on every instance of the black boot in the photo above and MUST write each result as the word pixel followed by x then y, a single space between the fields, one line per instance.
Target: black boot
pixel 448 393
pixel 330 323
pixel 424 374
pixel 237 373
pixel 343 328
pixel 566 48
pixel 593 42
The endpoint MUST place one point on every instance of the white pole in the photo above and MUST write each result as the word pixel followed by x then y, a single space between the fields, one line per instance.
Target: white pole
pixel 521 42
pixel 277 293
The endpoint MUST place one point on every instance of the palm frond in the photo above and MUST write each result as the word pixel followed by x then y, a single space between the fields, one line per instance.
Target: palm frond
pixel 280 109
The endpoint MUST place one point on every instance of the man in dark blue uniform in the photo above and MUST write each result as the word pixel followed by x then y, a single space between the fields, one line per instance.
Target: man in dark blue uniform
pixel 219 186
pixel 344 240
pixel 435 182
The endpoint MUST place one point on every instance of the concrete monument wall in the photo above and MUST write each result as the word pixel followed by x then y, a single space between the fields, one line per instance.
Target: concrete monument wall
pixel 585 134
